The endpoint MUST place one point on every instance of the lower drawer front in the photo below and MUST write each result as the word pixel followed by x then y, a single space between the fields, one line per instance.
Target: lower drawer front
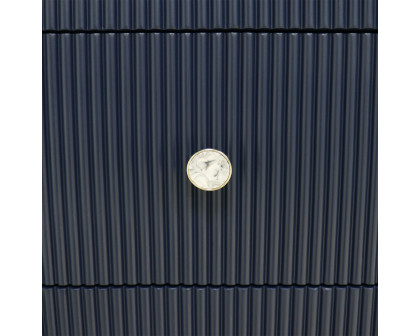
pixel 197 310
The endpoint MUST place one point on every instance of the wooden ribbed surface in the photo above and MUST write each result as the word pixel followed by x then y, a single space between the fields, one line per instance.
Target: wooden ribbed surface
pixel 277 310
pixel 209 14
pixel 295 113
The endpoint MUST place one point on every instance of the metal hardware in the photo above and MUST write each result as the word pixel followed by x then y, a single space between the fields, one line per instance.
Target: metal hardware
pixel 209 169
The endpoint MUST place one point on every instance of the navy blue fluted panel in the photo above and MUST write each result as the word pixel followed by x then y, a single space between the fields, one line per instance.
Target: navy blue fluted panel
pixel 208 14
pixel 295 113
pixel 166 310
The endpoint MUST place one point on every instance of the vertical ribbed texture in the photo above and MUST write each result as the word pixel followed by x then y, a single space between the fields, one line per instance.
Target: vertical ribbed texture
pixel 209 14
pixel 210 311
pixel 295 113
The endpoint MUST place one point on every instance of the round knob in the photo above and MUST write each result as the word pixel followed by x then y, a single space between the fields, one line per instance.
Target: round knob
pixel 209 169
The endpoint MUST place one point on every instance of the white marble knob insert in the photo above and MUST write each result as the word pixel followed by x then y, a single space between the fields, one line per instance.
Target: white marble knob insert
pixel 209 169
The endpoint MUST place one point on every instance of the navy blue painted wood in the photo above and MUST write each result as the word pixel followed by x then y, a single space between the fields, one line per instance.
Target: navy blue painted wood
pixel 209 14
pixel 192 310
pixel 295 113
pixel 287 89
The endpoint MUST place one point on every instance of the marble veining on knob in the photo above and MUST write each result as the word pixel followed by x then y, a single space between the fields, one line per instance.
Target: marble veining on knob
pixel 209 169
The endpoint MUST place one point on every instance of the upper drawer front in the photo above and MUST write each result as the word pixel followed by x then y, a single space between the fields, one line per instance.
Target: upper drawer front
pixel 295 113
pixel 209 14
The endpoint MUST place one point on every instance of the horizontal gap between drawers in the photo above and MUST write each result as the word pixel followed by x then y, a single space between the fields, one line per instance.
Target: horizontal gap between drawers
pixel 208 286
pixel 259 30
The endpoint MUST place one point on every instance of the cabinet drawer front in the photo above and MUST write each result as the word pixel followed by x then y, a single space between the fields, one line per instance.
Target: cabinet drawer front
pixel 295 113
